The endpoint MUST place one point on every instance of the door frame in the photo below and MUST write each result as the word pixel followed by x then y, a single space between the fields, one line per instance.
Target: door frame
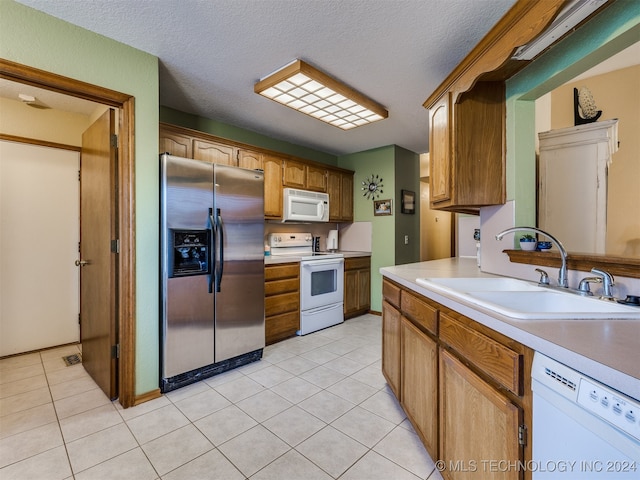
pixel 126 203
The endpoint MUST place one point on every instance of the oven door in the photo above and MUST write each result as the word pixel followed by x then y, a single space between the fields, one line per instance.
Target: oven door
pixel 321 282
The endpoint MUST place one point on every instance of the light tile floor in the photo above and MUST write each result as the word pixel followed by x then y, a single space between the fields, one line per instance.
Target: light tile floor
pixel 315 407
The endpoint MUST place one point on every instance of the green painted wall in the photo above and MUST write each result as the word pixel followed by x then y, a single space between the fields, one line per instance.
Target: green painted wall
pixel 617 27
pixel 407 177
pixel 176 117
pixel 381 162
pixel 32 38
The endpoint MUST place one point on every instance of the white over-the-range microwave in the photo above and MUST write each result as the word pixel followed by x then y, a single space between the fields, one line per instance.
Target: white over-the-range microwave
pixel 305 206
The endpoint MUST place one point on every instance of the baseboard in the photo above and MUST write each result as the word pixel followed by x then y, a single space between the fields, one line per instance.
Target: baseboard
pixel 145 397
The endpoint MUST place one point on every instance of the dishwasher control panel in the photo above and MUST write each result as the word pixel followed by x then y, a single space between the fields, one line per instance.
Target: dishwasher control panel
pixel 612 406
pixel 621 411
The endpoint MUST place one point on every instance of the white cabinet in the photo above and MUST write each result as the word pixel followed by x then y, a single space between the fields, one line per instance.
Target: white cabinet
pixel 576 159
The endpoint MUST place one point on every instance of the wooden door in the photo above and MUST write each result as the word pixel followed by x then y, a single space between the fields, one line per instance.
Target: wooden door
pixel 98 238
pixel 476 423
pixel 175 144
pixel 334 189
pixel 272 187
pixel 391 347
pixel 351 300
pixel 214 153
pixel 316 179
pixel 420 383
pixel 364 289
pixel 250 160
pixel 295 174
pixel 440 153
pixel 346 197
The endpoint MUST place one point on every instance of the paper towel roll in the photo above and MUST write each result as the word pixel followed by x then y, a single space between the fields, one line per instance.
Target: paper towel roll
pixel 332 240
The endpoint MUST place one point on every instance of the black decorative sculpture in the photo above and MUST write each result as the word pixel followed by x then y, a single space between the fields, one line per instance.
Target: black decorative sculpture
pixel 583 101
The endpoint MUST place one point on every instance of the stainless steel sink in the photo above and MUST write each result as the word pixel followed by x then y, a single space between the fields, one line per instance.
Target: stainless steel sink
pixel 524 300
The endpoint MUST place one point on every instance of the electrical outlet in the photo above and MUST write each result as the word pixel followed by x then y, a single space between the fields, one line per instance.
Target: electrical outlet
pixel 406 239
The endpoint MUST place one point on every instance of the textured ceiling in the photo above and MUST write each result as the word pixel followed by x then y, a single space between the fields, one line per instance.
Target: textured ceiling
pixel 212 52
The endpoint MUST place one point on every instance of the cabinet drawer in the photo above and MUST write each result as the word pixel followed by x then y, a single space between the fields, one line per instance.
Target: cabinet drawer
pixel 419 312
pixel 355 263
pixel 499 362
pixel 391 293
pixel 277 304
pixel 275 287
pixel 279 327
pixel 277 272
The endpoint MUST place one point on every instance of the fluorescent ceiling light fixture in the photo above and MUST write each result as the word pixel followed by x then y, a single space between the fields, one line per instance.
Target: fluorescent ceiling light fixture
pixel 567 19
pixel 300 86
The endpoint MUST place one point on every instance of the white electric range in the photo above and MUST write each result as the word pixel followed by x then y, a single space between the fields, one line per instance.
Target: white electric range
pixel 321 280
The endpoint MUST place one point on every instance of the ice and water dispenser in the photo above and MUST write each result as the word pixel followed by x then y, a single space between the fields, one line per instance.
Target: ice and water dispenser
pixel 189 253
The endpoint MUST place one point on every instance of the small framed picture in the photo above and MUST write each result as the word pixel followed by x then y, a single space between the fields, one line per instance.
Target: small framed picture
pixel 382 207
pixel 408 204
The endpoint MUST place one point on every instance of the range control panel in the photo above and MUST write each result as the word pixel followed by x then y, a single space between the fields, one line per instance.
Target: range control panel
pixel 284 240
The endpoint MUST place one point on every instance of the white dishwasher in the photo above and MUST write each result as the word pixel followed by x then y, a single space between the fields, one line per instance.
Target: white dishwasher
pixel 582 429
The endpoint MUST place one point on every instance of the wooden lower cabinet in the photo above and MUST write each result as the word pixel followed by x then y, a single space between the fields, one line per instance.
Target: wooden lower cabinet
pixel 282 301
pixel 391 347
pixel 357 286
pixel 478 424
pixel 465 388
pixel 420 383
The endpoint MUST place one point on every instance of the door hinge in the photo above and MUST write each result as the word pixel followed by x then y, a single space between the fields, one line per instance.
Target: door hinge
pixel 522 435
pixel 114 141
pixel 79 177
pixel 115 351
pixel 79 319
pixel 115 246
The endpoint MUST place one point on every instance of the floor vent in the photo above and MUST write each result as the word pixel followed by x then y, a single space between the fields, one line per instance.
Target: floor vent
pixel 72 359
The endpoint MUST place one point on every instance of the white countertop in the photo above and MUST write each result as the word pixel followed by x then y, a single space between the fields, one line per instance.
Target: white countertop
pixel 606 350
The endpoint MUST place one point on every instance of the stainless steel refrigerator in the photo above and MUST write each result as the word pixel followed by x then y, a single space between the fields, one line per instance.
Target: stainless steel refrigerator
pixel 212 269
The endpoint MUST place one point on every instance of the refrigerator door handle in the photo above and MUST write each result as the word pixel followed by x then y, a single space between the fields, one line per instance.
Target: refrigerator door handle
pixel 220 238
pixel 212 255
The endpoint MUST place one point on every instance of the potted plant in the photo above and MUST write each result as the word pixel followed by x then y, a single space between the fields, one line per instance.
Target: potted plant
pixel 528 242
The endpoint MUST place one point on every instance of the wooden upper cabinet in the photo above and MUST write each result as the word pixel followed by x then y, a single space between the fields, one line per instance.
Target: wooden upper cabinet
pixel 304 176
pixel 334 189
pixel 340 190
pixel 175 144
pixel 214 153
pixel 467 158
pixel 295 174
pixel 272 186
pixel 440 153
pixel 467 113
pixel 279 170
pixel 346 197
pixel 316 178
pixel 250 159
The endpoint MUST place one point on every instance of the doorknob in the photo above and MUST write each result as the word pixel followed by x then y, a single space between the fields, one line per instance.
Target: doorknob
pixel 81 263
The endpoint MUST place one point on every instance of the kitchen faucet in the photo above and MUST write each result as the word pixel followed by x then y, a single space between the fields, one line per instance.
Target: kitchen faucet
pixel 607 282
pixel 562 274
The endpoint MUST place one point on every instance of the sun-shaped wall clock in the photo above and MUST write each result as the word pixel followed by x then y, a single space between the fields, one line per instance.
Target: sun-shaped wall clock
pixel 372 187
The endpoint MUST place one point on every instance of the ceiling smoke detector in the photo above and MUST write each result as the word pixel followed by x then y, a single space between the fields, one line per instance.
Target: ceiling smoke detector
pixel 32 101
